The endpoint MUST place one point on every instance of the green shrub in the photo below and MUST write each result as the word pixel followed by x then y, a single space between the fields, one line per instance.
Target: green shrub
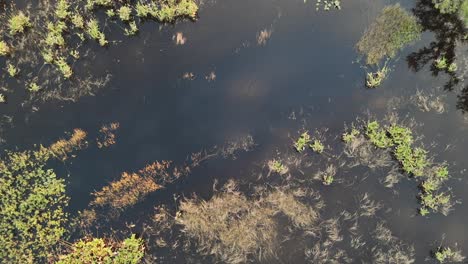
pixel 302 142
pixel 125 13
pixel 97 250
pixel 349 137
pixel 317 146
pixel 61 10
pixel 393 29
pixel 4 48
pixel 377 135
pixel 32 203
pixel 18 23
pixel 375 79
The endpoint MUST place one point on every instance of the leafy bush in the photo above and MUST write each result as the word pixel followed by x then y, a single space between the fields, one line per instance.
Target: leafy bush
pixel 32 203
pixel 18 23
pixel 302 142
pixel 4 48
pixel 98 250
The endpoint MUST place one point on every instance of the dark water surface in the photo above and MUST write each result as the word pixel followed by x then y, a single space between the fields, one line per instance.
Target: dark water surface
pixel 305 76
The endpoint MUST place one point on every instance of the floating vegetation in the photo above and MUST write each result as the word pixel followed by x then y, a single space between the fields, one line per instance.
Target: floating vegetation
pixel 327 176
pixel 107 137
pixel 97 250
pixel 375 79
pixel 277 166
pixel 302 142
pixel 317 146
pixel 414 161
pixel 446 254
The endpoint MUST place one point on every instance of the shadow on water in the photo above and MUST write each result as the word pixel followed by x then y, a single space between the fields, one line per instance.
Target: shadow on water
pixel 449 33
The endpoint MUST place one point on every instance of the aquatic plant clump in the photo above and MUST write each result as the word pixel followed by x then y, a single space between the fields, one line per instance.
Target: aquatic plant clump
pixel 98 250
pixel 447 254
pixel 415 162
pixel 393 29
pixel 302 142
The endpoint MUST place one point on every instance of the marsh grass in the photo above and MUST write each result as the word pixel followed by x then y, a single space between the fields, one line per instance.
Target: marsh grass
pixel 427 102
pixel 447 254
pixel 237 229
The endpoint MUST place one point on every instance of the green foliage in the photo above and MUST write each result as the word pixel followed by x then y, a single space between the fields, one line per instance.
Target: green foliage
pixel 64 68
pixel 34 87
pixel 442 172
pixel 400 135
pixel 441 63
pixel 443 253
pixel 32 202
pixel 302 142
pixel 144 10
pixel 125 13
pixel 277 166
pixel 18 23
pixel 447 6
pixel 78 21
pixel 110 13
pixel 413 161
pixel 452 67
pixel 317 146
pixel 377 135
pixel 61 10
pixel 434 201
pixel 90 4
pixel 12 70
pixel 130 251
pixel 393 29
pixel 349 137
pixel 132 30
pixel 4 48
pixel 463 13
pixel 375 79
pixel 95 33
pixel 328 179
pixel 54 35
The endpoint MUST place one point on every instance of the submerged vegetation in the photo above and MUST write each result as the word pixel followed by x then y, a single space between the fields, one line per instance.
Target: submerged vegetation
pixel 235 228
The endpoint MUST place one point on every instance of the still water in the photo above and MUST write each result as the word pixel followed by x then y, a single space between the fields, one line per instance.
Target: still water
pixel 265 68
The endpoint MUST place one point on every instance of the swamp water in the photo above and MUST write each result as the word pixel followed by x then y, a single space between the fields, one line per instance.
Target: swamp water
pixel 240 84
